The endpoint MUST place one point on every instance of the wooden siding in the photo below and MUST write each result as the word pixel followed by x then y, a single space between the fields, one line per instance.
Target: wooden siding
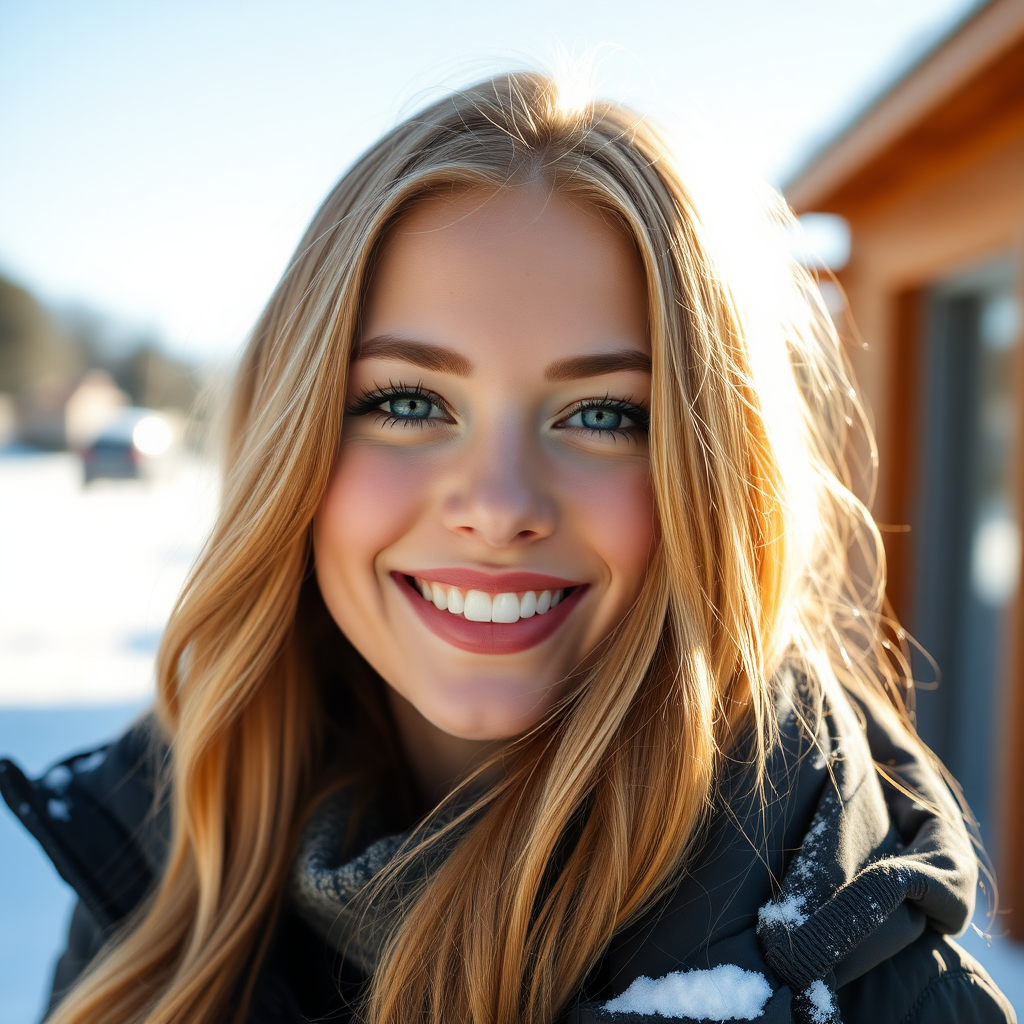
pixel 931 182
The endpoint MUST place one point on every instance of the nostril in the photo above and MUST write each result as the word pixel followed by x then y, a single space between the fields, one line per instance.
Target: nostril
pixel 496 523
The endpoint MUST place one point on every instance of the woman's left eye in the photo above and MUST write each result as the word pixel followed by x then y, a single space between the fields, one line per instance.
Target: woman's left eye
pixel 606 418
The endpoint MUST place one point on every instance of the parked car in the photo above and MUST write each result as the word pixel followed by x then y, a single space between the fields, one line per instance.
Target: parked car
pixel 126 447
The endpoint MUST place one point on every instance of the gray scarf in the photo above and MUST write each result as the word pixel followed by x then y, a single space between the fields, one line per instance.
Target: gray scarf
pixel 325 889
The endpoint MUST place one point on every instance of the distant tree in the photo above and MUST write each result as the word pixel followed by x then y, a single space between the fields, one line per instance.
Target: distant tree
pixel 34 353
pixel 45 354
pixel 155 380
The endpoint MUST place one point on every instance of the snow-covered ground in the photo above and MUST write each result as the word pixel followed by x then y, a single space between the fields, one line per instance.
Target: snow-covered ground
pixel 88 577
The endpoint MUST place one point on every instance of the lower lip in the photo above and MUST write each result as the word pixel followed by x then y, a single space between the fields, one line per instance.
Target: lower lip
pixel 489 637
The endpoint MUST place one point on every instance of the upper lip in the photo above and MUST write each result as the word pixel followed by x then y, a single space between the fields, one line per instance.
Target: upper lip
pixel 494 583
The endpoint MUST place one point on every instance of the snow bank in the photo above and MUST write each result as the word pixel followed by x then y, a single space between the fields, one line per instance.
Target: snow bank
pixel 726 992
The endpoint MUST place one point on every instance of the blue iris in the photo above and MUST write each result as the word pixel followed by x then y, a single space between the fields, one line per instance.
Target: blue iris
pixel 410 407
pixel 601 418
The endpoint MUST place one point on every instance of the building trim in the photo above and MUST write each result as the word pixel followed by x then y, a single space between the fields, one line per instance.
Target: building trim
pixel 970 47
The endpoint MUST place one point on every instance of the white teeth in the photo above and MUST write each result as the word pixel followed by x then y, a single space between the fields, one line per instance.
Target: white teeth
pixel 478 606
pixel 505 608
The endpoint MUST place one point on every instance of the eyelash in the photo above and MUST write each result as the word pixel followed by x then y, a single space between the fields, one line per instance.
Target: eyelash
pixel 369 401
pixel 637 413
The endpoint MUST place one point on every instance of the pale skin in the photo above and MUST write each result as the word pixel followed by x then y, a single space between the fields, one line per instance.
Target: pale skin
pixel 469 444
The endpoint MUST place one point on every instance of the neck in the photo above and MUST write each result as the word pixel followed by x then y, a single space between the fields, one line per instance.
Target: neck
pixel 438 760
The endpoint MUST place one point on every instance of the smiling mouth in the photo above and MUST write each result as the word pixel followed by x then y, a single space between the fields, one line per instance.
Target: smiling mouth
pixel 489 623
pixel 480 606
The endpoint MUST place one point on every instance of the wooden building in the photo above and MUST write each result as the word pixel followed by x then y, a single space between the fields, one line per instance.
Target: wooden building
pixel 930 179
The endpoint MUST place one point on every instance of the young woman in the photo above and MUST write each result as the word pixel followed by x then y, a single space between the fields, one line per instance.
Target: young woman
pixel 534 670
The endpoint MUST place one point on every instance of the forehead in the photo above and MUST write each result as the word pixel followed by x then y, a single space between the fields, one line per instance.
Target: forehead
pixel 522 268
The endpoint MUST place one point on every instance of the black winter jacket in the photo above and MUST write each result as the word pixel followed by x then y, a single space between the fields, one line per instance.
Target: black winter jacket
pixel 830 903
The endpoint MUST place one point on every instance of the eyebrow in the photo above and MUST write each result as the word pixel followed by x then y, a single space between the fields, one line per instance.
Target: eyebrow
pixel 447 360
pixel 595 366
pixel 419 353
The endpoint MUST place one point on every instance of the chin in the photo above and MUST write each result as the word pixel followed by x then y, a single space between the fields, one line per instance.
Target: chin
pixel 487 716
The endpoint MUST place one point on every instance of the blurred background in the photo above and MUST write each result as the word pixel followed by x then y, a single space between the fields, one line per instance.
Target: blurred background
pixel 161 160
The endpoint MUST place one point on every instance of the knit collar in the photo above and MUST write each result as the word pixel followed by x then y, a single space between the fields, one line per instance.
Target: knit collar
pixel 327 887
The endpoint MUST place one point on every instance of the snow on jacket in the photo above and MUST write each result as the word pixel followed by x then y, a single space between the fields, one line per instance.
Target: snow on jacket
pixel 826 897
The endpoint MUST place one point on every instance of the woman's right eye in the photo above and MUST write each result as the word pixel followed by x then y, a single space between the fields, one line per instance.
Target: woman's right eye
pixel 409 407
pixel 402 405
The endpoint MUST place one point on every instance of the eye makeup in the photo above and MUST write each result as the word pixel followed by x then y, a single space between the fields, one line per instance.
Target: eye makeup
pixel 413 405
pixel 408 405
pixel 611 417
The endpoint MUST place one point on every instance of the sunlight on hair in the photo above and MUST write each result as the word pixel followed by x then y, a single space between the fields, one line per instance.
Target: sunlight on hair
pixel 576 80
pixel 747 228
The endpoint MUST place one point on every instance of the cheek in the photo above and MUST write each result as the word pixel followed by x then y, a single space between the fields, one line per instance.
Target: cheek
pixel 614 513
pixel 373 498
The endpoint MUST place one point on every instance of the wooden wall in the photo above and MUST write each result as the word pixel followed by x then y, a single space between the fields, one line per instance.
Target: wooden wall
pixel 947 195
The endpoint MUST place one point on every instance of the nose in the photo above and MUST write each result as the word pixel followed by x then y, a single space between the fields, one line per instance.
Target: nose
pixel 499 495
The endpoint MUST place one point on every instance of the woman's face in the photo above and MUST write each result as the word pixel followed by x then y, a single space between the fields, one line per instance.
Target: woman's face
pixel 494 457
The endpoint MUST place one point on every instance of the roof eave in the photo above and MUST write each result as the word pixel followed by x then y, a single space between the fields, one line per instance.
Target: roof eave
pixel 978 39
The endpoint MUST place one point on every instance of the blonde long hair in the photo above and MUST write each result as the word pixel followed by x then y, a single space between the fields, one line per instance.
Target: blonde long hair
pixel 750 415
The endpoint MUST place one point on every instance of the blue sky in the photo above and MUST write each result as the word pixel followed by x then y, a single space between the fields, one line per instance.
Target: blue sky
pixel 161 159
